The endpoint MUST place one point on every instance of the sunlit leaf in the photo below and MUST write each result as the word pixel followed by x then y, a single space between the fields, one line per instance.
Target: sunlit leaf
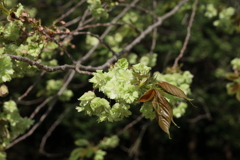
pixel 147 96
pixel 3 90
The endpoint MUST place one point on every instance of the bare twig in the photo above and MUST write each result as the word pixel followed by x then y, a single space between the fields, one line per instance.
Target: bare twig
pixel 141 9
pixel 108 24
pixel 199 117
pixel 41 106
pixel 96 36
pixel 134 150
pixel 49 132
pixel 88 55
pixel 31 87
pixel 70 11
pixel 154 37
pixel 30 132
pixel 139 118
pixel 31 102
pixel 187 36
pixel 41 66
pixel 139 38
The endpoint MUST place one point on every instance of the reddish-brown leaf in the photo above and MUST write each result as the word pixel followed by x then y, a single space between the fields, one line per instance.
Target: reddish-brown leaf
pixel 232 76
pixel 163 112
pixel 173 90
pixel 235 88
pixel 147 96
pixel 238 95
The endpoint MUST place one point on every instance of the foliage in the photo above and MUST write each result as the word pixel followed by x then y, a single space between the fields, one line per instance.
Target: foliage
pixel 87 150
pixel 11 124
pixel 49 50
pixel 124 84
pixel 234 86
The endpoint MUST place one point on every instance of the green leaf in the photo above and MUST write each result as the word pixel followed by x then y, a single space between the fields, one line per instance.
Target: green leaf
pixel 3 90
pixel 147 110
pixel 11 31
pixel 6 70
pixel 141 68
pixel 119 111
pixel 99 155
pixel 99 105
pixel 76 154
pixel 122 64
pixel 109 142
pixel 81 142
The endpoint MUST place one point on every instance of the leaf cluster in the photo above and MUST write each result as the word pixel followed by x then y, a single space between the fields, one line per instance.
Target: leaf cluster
pixel 124 85
pixel 11 124
pixel 87 150
pixel 234 86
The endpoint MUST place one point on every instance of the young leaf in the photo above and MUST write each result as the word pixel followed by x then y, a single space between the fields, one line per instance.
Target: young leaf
pixel 173 90
pixel 232 76
pixel 163 112
pixel 147 96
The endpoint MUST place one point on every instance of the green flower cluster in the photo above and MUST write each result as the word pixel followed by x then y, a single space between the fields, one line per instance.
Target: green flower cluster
pixel 120 84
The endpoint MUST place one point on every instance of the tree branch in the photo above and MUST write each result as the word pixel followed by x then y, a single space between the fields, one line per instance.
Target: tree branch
pixel 187 36
pixel 139 38
pixel 41 66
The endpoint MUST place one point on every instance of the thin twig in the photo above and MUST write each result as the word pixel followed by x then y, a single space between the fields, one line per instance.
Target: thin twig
pixel 70 11
pixel 100 40
pixel 30 132
pixel 134 150
pixel 39 107
pixel 138 39
pixel 154 37
pixel 31 87
pixel 41 66
pixel 31 102
pixel 187 36
pixel 141 9
pixel 108 24
pixel 88 55
pixel 49 132
pixel 130 124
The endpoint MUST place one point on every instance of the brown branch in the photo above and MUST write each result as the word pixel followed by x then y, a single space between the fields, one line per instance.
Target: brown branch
pixel 31 87
pixel 139 118
pixel 139 38
pixel 49 132
pixel 154 36
pixel 70 11
pixel 108 24
pixel 55 97
pixel 96 36
pixel 30 132
pixel 88 55
pixel 41 66
pixel 141 9
pixel 31 102
pixel 187 36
